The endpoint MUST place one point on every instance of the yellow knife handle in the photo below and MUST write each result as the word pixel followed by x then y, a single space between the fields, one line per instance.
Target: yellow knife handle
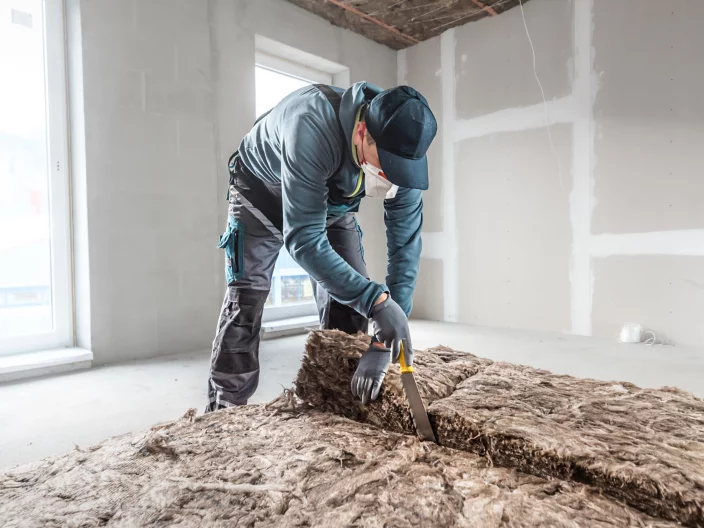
pixel 402 360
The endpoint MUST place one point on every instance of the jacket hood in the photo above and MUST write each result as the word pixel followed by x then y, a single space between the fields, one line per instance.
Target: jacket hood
pixel 352 98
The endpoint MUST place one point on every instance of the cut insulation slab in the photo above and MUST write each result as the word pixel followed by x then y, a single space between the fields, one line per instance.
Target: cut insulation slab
pixel 283 466
pixel 641 446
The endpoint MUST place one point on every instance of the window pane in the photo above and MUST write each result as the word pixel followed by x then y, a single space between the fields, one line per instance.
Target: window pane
pixel 25 251
pixel 295 289
pixel 273 86
pixel 290 283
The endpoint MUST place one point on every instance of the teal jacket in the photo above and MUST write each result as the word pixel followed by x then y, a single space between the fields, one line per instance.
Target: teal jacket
pixel 302 146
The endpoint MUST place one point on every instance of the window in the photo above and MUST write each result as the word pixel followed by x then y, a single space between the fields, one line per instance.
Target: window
pixel 35 299
pixel 291 290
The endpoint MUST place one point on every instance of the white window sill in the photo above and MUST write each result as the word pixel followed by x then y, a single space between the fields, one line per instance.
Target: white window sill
pixel 43 362
pixel 289 327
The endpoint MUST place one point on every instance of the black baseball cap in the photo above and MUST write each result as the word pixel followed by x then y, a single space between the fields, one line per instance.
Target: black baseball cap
pixel 403 126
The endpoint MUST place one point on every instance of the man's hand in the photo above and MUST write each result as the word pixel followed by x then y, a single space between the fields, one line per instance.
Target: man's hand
pixel 390 327
pixel 372 367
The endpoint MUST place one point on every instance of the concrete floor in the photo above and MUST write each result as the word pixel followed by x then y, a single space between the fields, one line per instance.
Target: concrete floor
pixel 49 416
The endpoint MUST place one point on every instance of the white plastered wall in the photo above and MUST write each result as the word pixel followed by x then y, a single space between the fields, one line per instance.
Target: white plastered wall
pixel 161 93
pixel 604 225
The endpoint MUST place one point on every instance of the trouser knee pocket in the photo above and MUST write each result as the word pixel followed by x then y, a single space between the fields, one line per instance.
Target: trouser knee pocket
pixel 236 345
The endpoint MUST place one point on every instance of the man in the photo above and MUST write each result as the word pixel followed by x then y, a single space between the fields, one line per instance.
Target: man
pixel 297 179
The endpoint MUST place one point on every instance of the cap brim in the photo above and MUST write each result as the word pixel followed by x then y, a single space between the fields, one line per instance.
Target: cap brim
pixel 404 172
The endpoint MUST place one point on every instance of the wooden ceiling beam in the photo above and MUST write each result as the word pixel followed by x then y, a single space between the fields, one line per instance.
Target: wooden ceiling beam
pixel 376 21
pixel 486 8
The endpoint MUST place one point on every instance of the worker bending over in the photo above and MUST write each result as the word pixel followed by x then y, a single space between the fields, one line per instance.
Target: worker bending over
pixel 296 180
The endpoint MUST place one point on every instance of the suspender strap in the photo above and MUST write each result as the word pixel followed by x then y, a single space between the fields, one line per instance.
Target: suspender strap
pixel 332 96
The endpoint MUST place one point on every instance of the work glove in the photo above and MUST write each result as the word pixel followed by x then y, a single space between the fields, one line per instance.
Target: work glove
pixel 372 367
pixel 390 327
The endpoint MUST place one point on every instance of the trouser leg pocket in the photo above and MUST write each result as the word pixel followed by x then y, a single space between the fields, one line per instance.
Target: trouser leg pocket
pixel 232 241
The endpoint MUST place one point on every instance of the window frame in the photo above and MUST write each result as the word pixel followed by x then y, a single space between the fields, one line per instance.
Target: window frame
pixel 291 68
pixel 55 93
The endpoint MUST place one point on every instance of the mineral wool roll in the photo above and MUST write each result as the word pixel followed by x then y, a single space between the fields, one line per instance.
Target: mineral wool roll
pixel 642 446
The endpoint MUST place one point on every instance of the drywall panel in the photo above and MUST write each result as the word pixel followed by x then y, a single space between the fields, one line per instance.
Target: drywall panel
pixel 423 74
pixel 494 63
pixel 649 115
pixel 663 293
pixel 648 176
pixel 514 230
pixel 428 299
pixel 647 52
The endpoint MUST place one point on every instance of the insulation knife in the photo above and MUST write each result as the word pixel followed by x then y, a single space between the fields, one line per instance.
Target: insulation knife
pixel 410 389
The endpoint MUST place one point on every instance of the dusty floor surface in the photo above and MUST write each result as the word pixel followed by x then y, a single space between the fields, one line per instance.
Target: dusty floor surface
pixel 286 467
pixel 642 446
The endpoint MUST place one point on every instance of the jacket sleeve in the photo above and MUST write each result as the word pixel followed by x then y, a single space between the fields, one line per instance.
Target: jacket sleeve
pixel 309 156
pixel 403 216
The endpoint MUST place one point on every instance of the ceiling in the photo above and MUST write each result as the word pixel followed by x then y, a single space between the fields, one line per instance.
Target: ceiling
pixel 399 24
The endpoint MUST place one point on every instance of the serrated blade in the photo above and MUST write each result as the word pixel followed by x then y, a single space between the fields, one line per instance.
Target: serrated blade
pixel 418 412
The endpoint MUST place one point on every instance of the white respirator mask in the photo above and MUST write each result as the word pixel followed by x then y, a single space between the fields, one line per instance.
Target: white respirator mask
pixel 375 185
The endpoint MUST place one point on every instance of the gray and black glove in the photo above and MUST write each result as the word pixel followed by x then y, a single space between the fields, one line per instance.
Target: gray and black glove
pixel 372 367
pixel 390 326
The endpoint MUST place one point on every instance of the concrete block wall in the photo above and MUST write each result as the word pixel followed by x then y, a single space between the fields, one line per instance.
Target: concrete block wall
pixel 597 224
pixel 161 93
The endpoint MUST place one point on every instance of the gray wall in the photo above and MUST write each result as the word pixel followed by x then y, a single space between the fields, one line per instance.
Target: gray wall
pixel 161 93
pixel 598 225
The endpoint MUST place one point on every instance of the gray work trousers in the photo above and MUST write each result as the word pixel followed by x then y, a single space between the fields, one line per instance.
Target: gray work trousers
pixel 252 244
